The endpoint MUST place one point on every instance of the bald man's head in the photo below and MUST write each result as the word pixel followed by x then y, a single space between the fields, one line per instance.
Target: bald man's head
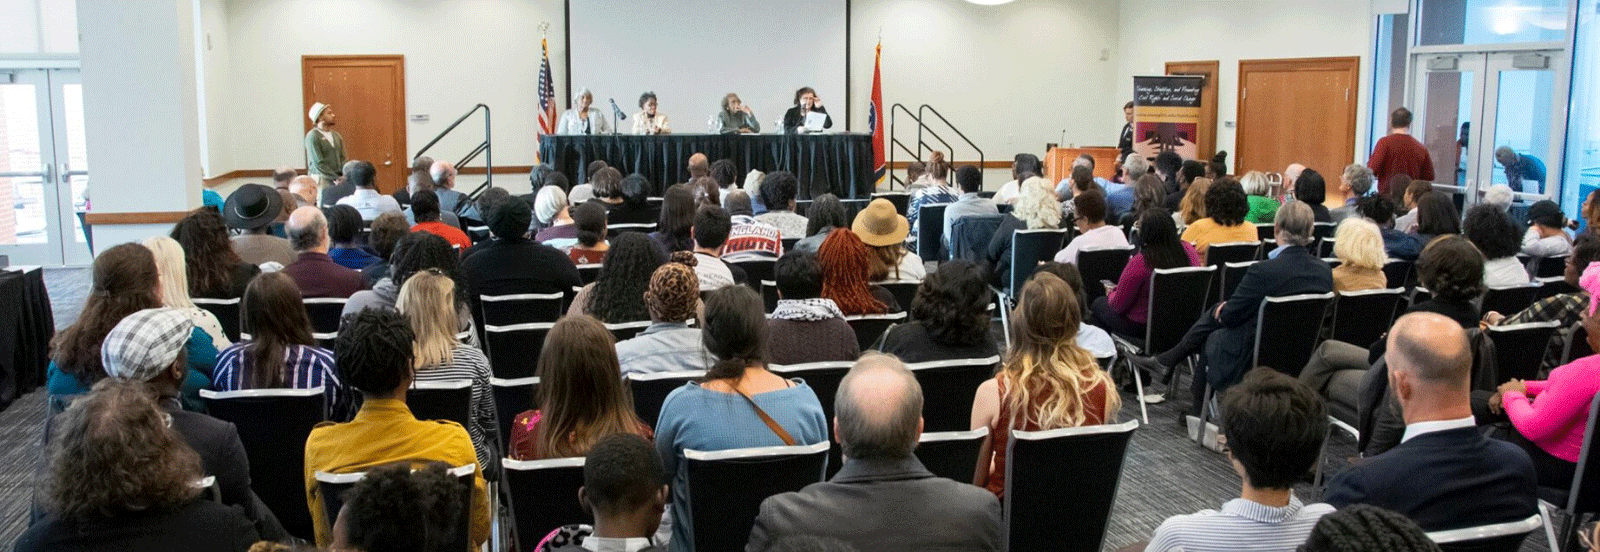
pixel 699 166
pixel 308 229
pixel 444 174
pixel 878 409
pixel 304 186
pixel 1431 349
pixel 1291 173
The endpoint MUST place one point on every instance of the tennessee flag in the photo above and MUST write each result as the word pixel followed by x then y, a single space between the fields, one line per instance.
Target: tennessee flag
pixel 875 119
pixel 547 99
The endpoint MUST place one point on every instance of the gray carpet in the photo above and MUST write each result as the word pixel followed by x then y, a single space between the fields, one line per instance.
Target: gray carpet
pixel 1165 474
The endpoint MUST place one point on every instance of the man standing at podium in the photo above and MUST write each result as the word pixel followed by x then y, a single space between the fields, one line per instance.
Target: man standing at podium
pixel 1125 142
pixel 324 147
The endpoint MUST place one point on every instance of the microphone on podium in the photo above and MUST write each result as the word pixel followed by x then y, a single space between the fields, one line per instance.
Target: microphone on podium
pixel 617 110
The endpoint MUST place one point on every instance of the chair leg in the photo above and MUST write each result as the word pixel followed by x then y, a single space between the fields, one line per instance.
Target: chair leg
pixel 1138 384
pixel 1549 527
pixel 1322 459
pixel 1005 324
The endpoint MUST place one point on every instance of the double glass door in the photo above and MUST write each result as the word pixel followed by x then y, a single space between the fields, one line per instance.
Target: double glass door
pixel 1471 105
pixel 44 176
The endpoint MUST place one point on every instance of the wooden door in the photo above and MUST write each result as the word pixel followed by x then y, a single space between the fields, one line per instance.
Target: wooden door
pixel 368 95
pixel 1206 135
pixel 1298 111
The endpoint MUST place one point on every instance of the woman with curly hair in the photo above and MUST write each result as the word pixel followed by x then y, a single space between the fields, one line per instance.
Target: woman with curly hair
pixel 580 398
pixel 121 479
pixel 1047 381
pixel 396 507
pixel 215 271
pixel 825 214
pixel 1491 229
pixel 846 273
pixel 617 294
pixel 1365 527
pixel 1226 207
pixel 1035 208
pixel 949 317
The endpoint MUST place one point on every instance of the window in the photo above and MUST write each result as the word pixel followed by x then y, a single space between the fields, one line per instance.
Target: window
pixel 1449 22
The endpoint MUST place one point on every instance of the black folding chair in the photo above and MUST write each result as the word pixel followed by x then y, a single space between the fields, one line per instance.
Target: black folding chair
pixel 1182 294
pixel 623 331
pixel 1397 273
pixel 1582 499
pixel 227 313
pixel 325 313
pixel 1553 286
pixel 1577 344
pixel 1265 232
pixel 1287 330
pixel 930 232
pixel 1232 274
pixel 1218 254
pixel 1098 264
pixel 544 497
pixel 1320 232
pixel 757 269
pixel 512 310
pixel 1510 300
pixel 947 390
pixel 788 243
pixel 513 397
pixel 273 426
pixel 1361 317
pixel 441 400
pixel 901 200
pixel 726 488
pixel 823 378
pixel 1519 349
pixel 952 454
pixel 332 487
pixel 904 291
pixel 1325 246
pixel 1029 248
pixel 588 272
pixel 1497 537
pixel 769 295
pixel 614 230
pixel 1042 465
pixel 514 350
pixel 1550 267
pixel 649 390
pixel 870 327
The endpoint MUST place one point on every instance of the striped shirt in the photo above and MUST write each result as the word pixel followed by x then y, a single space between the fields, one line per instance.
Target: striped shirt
pixel 1240 525
pixel 309 367
pixel 468 363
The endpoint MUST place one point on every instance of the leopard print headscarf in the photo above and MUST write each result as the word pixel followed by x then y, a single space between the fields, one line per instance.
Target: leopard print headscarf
pixel 674 290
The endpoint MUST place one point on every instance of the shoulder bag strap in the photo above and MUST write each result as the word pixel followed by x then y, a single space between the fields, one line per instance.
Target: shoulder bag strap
pixel 771 423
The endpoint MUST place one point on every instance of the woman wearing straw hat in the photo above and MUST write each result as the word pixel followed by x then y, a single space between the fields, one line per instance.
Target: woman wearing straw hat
pixel 884 231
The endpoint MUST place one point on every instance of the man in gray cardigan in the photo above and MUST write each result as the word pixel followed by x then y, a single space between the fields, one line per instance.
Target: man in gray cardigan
pixel 879 498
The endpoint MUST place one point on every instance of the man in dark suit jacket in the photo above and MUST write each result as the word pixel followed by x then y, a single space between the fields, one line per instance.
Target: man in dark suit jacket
pixel 882 498
pixel 1226 334
pixel 1444 474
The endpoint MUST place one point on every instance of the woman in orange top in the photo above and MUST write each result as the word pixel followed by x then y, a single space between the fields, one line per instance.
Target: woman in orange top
pixel 580 398
pixel 1226 207
pixel 1047 382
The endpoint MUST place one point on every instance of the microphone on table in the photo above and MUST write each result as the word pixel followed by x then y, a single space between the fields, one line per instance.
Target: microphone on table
pixel 618 110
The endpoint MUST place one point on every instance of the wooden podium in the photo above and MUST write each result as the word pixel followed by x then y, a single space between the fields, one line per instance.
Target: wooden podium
pixel 1058 162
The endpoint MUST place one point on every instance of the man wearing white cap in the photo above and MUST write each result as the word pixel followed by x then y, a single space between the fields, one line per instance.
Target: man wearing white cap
pixel 324 147
pixel 148 346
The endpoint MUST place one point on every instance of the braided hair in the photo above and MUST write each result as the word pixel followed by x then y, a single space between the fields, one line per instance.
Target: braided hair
pixel 623 279
pixel 845 272
pixel 374 351
pixel 1362 528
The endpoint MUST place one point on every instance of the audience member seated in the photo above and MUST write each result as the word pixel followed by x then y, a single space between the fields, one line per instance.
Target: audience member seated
pixel 1225 335
pixel 806 327
pixel 625 491
pixel 425 209
pixel 1089 210
pixel 591 248
pixel 607 188
pixel 280 352
pixel 739 404
pixel 1565 309
pixel 748 236
pixel 1547 235
pixel 1444 474
pixel 1193 205
pixel 450 200
pixel 1312 189
pixel 120 477
pixel 344 224
pixel 1262 206
pixel 882 498
pixel 1120 198
pixel 147 347
pixel 706 191
pixel 1275 428
pixel 1093 339
pixel 342 186
pixel 304 189
pixel 1035 208
pixel 253 208
pixel 673 229
pixel 418 180
pixel 386 231
pixel 1079 181
pixel 314 271
pixel 1363 527
pixel 1492 231
pixel 398 507
pixel 366 197
pixel 699 165
pixel 1149 192
pixel 1549 418
pixel 1188 173
pixel 175 288
pixel 1359 248
pixel 429 302
pixel 727 176
pixel 1396 244
pixel 1023 167
pixel 669 344
pixel 778 191
pixel 512 264
pixel 1590 214
pixel 949 318
pixel 824 215
pixel 585 191
pixel 125 281
pixel 635 207
pixel 711 227
pixel 580 400
pixel 846 275
pixel 1436 216
pixel 1046 382
pixel 421 182
pixel 1226 207
pixel 1499 195
pixel 884 232
pixel 214 269
pixel 970 204
pixel 1354 183
pixel 375 355
pixel 1125 308
pixel 1408 222
pixel 614 296
pixel 937 191
pixel 555 218
pixel 416 252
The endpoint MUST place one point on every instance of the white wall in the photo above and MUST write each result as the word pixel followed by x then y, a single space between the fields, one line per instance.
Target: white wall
pixel 214 77
pixel 1153 32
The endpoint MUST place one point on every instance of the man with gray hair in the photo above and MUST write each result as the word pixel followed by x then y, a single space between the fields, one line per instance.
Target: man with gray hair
pixel 879 498
pixel 1355 182
pixel 314 271
pixel 444 184
pixel 304 190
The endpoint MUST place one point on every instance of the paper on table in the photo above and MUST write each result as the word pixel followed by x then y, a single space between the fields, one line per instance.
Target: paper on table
pixel 815 121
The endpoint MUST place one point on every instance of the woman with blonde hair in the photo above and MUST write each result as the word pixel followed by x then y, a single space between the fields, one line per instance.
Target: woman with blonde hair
pixel 581 398
pixel 428 300
pixel 175 288
pixel 1193 206
pixel 1359 246
pixel 1262 206
pixel 1036 208
pixel 1046 382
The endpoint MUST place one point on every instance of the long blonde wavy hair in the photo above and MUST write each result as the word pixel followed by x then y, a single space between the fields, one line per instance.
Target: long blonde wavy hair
pixel 1048 376
pixel 428 301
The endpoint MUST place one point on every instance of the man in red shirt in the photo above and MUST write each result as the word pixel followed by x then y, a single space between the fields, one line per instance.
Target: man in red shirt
pixel 425 207
pixel 1399 153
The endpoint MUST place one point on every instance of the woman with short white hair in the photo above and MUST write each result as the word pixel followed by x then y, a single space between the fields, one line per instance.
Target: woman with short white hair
pixel 583 118
pixel 1359 246
pixel 1262 206
pixel 550 207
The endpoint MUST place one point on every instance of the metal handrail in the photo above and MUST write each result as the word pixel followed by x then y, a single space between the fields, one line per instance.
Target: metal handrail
pixel 922 126
pixel 930 109
pixel 483 147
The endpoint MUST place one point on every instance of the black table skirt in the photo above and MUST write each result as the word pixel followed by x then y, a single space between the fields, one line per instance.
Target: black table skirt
pixel 824 163
pixel 25 331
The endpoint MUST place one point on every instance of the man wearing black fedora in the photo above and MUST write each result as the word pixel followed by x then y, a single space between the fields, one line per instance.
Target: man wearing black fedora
pixel 253 208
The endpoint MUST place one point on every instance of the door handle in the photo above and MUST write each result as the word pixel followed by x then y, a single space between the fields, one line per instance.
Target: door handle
pixel 387 163
pixel 49 173
pixel 66 174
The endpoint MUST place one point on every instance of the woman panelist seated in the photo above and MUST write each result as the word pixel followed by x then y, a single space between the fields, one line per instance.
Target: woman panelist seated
pixel 806 102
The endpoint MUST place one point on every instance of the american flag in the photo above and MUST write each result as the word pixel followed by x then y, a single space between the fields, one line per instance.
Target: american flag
pixel 547 97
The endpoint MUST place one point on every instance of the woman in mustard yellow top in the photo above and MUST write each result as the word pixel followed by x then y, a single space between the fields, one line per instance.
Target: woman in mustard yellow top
pixel 1226 207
